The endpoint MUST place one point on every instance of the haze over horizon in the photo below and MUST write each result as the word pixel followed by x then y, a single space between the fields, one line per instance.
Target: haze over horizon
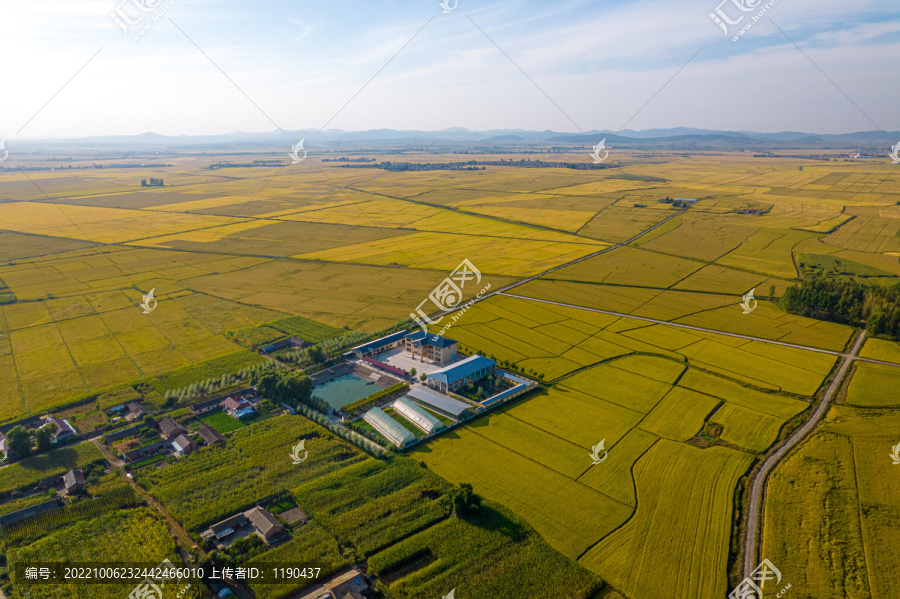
pixel 306 66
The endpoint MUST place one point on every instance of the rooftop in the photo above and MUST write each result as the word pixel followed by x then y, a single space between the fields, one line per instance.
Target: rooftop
pixel 73 477
pixel 378 343
pixel 417 415
pixel 462 369
pixel 395 432
pixel 433 340
pixel 183 443
pixel 263 520
pixel 440 401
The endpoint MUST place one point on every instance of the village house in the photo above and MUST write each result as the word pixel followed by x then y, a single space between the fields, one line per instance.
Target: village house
pixel 73 481
pixel 170 429
pixel 238 407
pixel 183 446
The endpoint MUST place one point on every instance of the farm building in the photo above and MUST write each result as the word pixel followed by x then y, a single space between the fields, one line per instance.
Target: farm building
pixel 373 348
pixel 238 407
pixel 225 528
pixel 451 378
pixel 147 450
pixel 392 430
pixel 135 411
pixel 183 445
pixel 266 525
pixel 418 416
pixel 432 348
pixel 210 435
pixel 169 427
pixel 61 429
pixel 208 405
pixel 452 408
pixel 267 349
pixel 73 480
pixel 263 522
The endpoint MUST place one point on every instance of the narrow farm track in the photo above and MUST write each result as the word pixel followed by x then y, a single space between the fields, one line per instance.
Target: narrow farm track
pixel 757 492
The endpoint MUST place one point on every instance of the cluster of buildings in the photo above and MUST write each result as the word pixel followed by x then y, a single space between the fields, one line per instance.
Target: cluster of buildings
pixel 436 392
pixel 236 404
pixel 259 520
pixel 176 441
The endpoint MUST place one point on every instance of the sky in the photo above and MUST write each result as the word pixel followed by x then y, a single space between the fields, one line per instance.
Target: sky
pixel 195 67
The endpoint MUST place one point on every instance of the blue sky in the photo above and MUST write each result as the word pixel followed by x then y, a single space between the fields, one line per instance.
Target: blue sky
pixel 300 61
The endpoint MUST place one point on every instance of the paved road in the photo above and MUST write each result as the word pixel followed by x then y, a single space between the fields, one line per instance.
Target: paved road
pixel 751 557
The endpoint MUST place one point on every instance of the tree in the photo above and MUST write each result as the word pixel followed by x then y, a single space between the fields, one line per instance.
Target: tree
pixel 462 499
pixel 423 377
pixel 18 441
pixel 315 354
pixel 772 292
pixel 149 422
pixel 412 372
pixel 44 438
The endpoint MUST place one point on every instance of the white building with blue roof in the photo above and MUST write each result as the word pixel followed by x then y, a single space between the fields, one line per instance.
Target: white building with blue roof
pixel 454 376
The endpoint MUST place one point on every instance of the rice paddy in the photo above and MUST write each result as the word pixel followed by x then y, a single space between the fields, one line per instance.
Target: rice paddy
pixel 245 258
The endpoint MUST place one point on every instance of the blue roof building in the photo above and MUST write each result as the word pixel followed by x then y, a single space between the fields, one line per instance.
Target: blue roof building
pixel 377 346
pixel 451 378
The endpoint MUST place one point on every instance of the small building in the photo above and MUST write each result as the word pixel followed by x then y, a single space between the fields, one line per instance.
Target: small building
pixel 169 427
pixel 146 451
pixel 451 378
pixel 418 416
pixel 60 429
pixel 183 445
pixel 210 435
pixel 431 348
pixel 3 448
pixel 73 481
pixel 225 528
pixel 351 587
pixel 267 349
pixel 373 348
pixel 238 407
pixel 266 525
pixel 392 430
pixel 135 411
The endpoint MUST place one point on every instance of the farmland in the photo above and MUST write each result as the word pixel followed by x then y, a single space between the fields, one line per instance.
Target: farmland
pixel 240 258
pixel 838 494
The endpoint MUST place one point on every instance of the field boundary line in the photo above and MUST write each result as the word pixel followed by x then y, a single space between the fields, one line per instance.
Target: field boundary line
pixel 677 325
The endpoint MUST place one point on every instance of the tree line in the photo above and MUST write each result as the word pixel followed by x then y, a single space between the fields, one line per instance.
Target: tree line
pixel 847 302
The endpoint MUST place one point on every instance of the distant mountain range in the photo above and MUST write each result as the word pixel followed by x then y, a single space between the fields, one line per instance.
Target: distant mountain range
pixel 679 138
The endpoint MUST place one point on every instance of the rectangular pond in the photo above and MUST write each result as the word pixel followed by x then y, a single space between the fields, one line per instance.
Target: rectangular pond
pixel 345 389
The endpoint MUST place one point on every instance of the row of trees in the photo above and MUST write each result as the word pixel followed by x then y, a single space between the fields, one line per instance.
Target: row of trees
pixel 208 387
pixel 21 441
pixel 847 302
